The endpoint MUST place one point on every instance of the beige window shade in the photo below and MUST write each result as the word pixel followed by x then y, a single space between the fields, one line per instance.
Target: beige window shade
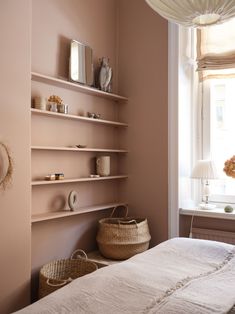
pixel 216 50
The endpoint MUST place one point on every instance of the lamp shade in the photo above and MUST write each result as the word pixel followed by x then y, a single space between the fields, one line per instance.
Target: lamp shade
pixel 194 12
pixel 204 169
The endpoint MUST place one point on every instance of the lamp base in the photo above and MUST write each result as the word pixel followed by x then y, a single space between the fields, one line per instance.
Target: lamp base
pixel 207 206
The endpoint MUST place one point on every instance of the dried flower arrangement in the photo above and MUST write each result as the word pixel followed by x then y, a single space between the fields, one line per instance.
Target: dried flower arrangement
pixel 56 99
pixel 6 166
pixel 229 167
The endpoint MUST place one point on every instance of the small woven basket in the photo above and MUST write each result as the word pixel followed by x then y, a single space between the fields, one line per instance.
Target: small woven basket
pixel 59 273
pixel 121 238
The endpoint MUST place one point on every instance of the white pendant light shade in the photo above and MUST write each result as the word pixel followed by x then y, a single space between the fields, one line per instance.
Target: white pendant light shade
pixel 194 12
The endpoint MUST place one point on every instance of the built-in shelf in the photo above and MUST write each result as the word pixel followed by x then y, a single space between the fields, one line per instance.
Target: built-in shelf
pixel 212 213
pixel 44 182
pixel 68 213
pixel 75 149
pixel 75 86
pixel 80 118
pixel 74 117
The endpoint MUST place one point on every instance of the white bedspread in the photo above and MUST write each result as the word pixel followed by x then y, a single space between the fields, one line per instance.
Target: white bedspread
pixel 185 276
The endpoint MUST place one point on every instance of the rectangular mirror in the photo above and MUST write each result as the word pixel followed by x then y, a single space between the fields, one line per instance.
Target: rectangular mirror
pixel 81 63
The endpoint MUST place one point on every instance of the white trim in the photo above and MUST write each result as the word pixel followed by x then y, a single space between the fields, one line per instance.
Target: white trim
pixel 208 112
pixel 206 121
pixel 173 202
pixel 218 213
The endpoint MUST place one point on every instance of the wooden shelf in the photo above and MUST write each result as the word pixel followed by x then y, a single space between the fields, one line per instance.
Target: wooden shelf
pixel 74 149
pixel 100 260
pixel 80 118
pixel 44 182
pixel 68 213
pixel 75 86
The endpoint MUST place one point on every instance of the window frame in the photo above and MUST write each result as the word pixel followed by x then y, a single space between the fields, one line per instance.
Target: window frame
pixel 205 139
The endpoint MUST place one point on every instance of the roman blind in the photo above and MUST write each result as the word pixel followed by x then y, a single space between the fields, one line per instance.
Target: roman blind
pixel 216 50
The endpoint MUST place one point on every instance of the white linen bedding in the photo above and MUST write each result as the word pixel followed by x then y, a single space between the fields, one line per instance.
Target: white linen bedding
pixel 177 276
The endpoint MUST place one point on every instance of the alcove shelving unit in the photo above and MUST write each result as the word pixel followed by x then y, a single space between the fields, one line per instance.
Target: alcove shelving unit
pixel 47 154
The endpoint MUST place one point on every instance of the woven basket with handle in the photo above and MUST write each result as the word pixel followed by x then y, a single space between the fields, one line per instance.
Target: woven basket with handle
pixel 121 238
pixel 59 273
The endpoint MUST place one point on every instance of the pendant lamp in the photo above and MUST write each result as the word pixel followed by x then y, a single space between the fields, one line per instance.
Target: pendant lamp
pixel 194 13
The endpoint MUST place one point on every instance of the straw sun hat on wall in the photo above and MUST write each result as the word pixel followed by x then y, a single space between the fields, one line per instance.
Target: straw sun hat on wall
pixel 6 167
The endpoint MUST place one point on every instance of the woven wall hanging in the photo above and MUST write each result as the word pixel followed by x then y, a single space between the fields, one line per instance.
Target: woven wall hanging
pixel 6 167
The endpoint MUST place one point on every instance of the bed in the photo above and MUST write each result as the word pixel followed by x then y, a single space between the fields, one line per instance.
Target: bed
pixel 177 276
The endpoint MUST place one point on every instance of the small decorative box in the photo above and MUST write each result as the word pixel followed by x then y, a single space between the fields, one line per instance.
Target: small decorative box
pixel 59 176
pixel 50 177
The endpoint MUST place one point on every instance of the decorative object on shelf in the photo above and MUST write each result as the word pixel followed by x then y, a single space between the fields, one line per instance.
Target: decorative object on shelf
pixel 229 167
pixel 73 200
pixel 194 12
pixel 228 209
pixel 121 238
pixel 63 108
pixel 103 166
pixel 56 99
pixel 53 102
pixel 53 107
pixel 59 273
pixel 80 146
pixel 81 63
pixel 94 175
pixel 40 103
pixel 54 176
pixel 105 75
pixel 205 170
pixel 6 166
pixel 50 177
pixel 59 176
pixel 93 115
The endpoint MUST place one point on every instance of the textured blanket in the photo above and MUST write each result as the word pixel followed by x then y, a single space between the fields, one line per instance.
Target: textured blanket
pixel 178 276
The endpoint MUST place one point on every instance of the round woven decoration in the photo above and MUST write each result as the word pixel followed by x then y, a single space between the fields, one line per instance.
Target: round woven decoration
pixel 229 167
pixel 6 167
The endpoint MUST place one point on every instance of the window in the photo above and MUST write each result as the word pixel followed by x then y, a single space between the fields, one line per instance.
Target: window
pixel 216 65
pixel 206 109
pixel 218 133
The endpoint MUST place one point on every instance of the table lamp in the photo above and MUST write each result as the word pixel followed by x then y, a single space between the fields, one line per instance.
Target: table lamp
pixel 205 170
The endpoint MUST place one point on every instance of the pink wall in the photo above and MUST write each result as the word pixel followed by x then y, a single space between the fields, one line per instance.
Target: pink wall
pixel 94 23
pixel 15 132
pixel 56 22
pixel 143 77
pixel 135 40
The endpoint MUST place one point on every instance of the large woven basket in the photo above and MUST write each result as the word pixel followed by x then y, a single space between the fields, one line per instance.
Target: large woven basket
pixel 121 238
pixel 59 273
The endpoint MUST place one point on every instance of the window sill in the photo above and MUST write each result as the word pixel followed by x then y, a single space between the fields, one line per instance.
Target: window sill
pixel 212 213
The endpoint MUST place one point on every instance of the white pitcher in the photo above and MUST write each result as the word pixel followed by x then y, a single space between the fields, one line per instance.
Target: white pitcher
pixel 103 166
